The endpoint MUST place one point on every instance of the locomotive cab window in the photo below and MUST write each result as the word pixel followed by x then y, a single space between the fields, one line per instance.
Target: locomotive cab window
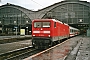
pixel 41 24
pixel 37 24
pixel 46 24
pixel 54 24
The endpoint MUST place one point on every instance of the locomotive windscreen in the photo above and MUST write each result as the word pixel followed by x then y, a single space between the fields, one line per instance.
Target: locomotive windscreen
pixel 41 24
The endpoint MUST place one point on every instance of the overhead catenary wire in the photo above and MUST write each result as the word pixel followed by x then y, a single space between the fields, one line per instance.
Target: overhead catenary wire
pixel 37 3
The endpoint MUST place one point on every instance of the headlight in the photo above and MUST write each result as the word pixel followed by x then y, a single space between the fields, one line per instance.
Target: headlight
pixel 33 35
pixel 48 35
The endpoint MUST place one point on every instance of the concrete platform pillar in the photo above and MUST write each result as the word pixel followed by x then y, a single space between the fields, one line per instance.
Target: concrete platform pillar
pixel 88 32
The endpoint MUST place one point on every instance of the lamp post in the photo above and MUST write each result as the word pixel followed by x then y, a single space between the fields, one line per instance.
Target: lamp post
pixel 16 30
pixel 27 30
pixel 15 27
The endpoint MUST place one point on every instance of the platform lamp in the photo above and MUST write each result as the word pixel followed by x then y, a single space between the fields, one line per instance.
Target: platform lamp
pixel 15 27
pixel 27 30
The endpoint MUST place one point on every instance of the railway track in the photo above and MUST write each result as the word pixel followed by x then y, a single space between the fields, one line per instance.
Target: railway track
pixel 19 53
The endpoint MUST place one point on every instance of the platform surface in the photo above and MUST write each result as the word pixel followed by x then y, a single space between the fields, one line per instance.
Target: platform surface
pixel 84 49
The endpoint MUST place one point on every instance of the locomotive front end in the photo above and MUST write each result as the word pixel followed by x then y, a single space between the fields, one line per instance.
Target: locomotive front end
pixel 41 33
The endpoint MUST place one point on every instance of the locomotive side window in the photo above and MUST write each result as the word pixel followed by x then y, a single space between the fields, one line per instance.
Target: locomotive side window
pixel 37 24
pixel 54 24
pixel 46 24
pixel 71 30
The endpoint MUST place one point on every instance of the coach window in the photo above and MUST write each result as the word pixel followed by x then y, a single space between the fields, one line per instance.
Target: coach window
pixel 71 30
pixel 37 24
pixel 46 24
pixel 54 24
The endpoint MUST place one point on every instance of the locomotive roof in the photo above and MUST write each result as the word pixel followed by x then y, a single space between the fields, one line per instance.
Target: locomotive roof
pixel 59 21
pixel 53 20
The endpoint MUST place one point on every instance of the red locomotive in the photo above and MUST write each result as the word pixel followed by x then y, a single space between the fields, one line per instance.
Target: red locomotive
pixel 47 31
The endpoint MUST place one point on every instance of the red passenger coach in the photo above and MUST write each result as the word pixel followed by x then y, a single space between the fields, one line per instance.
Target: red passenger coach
pixel 47 31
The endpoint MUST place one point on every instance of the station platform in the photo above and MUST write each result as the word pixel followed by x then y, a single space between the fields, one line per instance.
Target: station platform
pixel 76 48
pixel 84 49
pixel 14 36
